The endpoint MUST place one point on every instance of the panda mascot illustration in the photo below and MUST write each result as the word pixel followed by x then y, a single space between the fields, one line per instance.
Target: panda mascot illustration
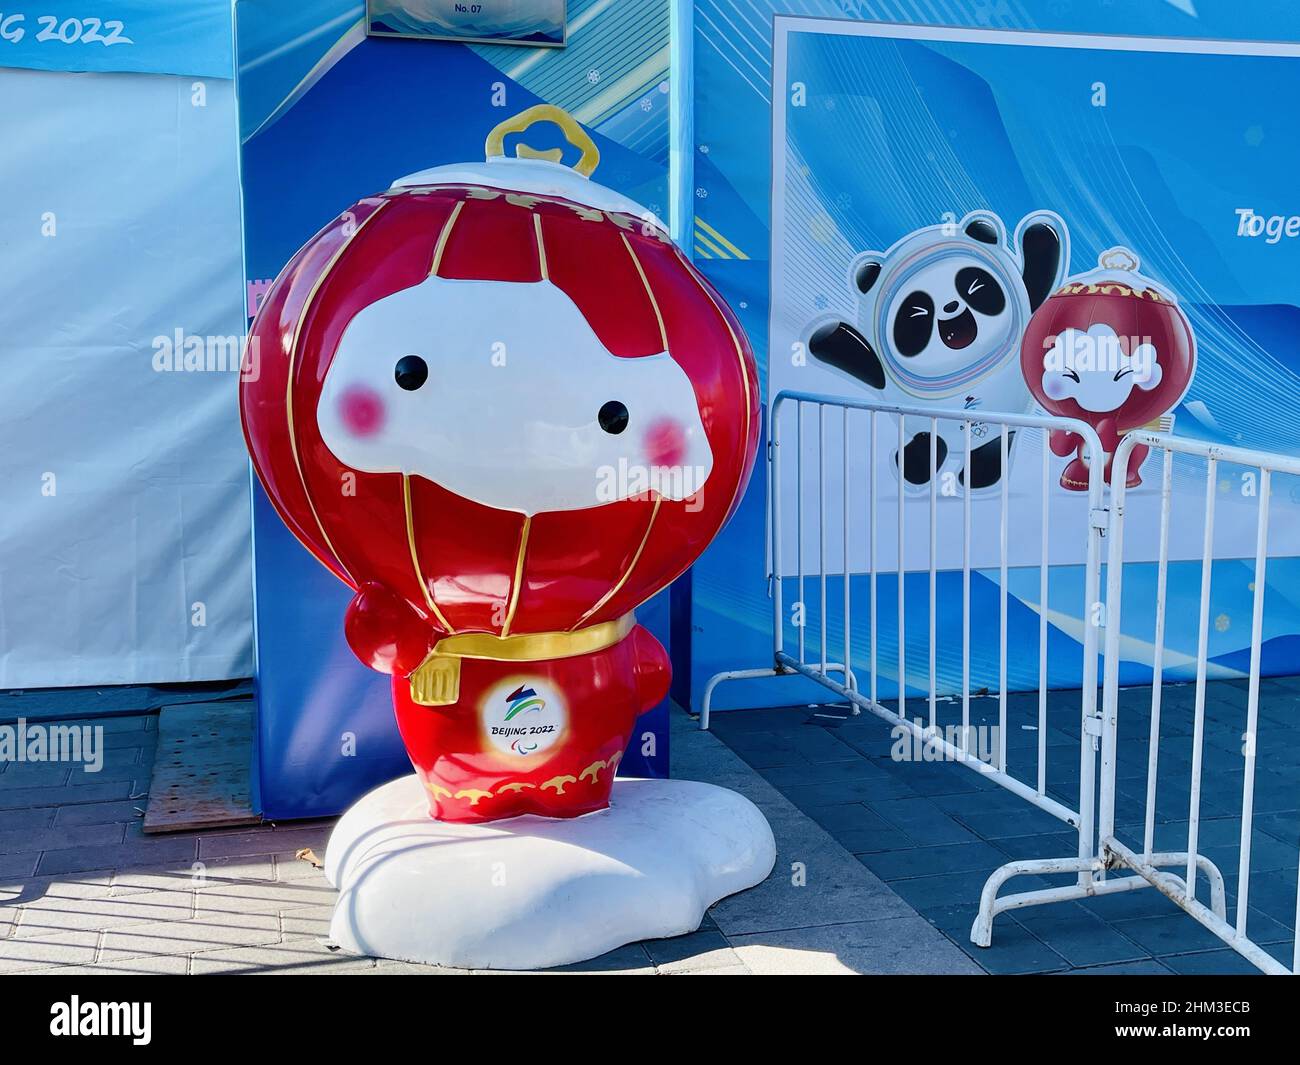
pixel 940 318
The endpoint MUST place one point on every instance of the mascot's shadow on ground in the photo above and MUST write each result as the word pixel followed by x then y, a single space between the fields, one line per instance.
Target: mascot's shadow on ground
pixel 940 319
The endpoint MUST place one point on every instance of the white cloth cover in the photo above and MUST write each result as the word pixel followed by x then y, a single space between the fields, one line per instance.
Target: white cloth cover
pixel 124 542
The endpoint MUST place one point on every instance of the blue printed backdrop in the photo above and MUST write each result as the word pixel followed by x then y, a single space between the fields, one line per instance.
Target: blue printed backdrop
pixel 144 36
pixel 328 116
pixel 970 127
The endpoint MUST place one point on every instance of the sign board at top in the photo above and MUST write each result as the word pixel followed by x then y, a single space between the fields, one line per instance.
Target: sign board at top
pixel 532 22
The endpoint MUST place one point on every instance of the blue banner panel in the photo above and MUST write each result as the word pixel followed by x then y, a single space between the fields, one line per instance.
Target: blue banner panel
pixel 193 38
pixel 834 139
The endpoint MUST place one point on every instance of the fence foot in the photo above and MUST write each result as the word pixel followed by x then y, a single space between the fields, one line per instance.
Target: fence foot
pixel 1178 859
pixel 706 704
pixel 981 933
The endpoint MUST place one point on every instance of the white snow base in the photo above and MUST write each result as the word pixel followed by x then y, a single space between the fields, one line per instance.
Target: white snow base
pixel 532 892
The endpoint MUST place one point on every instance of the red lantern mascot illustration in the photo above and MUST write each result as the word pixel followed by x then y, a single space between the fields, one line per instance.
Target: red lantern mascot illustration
pixel 501 405
pixel 1113 349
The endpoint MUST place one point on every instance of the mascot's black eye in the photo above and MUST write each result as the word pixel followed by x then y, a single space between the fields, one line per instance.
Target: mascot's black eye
pixel 913 324
pixel 613 417
pixel 410 372
pixel 980 291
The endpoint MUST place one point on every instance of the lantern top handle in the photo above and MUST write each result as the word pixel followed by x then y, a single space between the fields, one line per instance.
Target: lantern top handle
pixel 520 123
pixel 1119 259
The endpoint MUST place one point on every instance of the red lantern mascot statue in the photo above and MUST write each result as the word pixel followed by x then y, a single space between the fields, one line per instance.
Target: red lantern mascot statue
pixel 1113 349
pixel 501 405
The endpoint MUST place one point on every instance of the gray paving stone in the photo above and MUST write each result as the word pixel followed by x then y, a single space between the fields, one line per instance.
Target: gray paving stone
pixel 923 821
pixel 1148 967
pixel 308 921
pixel 848 791
pixel 1210 963
pixel 59 838
pixel 901 945
pixel 627 960
pixel 162 965
pixel 34 775
pixel 29 819
pixel 177 853
pixel 288 866
pixel 190 936
pixel 1173 933
pixel 856 768
pixel 698 950
pixel 132 723
pixel 123 762
pixel 138 738
pixel 67 948
pixel 904 864
pixel 18 865
pixel 263 841
pixel 835 889
pixel 388 967
pixel 1078 935
pixel 295 957
pixel 97 791
pixel 194 875
pixel 51 914
pixel 71 886
pixel 100 813
pixel 224 897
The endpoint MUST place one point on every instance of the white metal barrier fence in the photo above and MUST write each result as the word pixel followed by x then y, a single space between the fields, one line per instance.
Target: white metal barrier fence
pixel 1033 787
pixel 1113 853
pixel 1097 852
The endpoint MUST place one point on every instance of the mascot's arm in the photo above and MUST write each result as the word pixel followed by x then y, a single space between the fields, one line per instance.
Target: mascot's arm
pixel 654 670
pixel 1109 434
pixel 839 345
pixel 1040 250
pixel 1063 442
pixel 385 632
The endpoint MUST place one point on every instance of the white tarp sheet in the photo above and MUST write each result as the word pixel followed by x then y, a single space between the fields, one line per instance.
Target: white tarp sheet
pixel 124 516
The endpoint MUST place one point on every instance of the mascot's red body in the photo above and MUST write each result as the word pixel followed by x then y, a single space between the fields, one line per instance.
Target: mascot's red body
pixel 1112 349
pixel 518 669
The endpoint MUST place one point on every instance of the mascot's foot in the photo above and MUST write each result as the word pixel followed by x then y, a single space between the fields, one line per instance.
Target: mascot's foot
pixel 532 892
pixel 1075 476
pixel 1135 459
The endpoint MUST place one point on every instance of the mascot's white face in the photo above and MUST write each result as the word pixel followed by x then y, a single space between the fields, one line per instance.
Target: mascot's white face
pixel 1096 370
pixel 944 311
pixel 945 315
pixel 500 392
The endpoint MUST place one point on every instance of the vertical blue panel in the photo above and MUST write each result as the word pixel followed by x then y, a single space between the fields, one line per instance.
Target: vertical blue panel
pixel 326 732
